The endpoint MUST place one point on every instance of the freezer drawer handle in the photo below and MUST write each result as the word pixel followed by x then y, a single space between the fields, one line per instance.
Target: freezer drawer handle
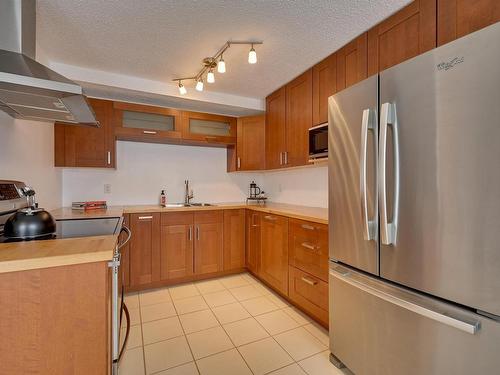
pixel 388 230
pixel 368 123
pixel 445 318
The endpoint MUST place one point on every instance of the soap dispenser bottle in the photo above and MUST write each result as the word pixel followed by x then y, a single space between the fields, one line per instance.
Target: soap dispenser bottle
pixel 163 199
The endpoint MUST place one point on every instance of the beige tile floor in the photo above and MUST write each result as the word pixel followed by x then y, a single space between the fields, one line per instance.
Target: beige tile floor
pixel 224 326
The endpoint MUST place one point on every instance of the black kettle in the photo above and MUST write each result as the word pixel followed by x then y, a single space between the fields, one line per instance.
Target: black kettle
pixel 30 223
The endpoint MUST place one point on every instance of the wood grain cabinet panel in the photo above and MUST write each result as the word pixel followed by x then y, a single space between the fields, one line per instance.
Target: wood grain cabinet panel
pixel 125 254
pixel 274 251
pixel 352 62
pixel 324 76
pixel 253 241
pixel 208 241
pixel 207 129
pixel 234 239
pixel 275 128
pixel 298 119
pixel 87 146
pixel 405 34
pixel 177 245
pixel 250 144
pixel 457 18
pixel 144 249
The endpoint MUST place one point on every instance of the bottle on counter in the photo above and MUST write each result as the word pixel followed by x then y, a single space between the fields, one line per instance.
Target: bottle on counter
pixel 163 199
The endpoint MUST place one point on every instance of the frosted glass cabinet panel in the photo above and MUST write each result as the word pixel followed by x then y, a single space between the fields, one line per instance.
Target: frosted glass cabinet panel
pixel 209 127
pixel 142 120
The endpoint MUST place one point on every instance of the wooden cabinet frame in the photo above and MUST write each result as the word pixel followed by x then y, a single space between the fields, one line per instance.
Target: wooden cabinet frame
pixel 207 140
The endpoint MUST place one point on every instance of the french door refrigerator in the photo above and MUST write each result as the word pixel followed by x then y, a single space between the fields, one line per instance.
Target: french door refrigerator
pixel 414 200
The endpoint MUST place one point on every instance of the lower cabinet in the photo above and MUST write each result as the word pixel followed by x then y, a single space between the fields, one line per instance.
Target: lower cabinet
pixel 177 245
pixel 234 239
pixel 125 252
pixel 208 241
pixel 253 241
pixel 274 251
pixel 144 249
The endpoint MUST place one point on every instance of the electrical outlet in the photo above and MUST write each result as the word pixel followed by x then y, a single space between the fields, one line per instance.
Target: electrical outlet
pixel 107 188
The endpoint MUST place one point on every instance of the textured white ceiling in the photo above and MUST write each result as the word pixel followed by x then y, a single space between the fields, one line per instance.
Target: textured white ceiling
pixel 164 39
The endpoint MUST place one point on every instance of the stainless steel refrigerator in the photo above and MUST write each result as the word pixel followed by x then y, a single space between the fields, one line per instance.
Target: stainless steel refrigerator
pixel 414 200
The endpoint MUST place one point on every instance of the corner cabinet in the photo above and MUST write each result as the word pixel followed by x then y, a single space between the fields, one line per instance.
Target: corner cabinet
pixel 87 146
pixel 234 239
pixel 206 129
pixel 253 241
pixel 275 128
pixel 249 153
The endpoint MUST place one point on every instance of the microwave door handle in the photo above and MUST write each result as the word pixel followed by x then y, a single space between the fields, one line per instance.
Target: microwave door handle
pixel 388 230
pixel 369 226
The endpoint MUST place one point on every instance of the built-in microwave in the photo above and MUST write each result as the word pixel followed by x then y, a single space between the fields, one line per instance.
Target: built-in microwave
pixel 318 142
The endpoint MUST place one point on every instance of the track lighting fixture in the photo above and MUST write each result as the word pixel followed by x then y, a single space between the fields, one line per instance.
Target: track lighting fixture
pixel 216 61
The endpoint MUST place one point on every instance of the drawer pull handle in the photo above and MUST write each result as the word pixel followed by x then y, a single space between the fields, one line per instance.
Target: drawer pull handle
pixel 145 217
pixel 255 225
pixel 269 217
pixel 149 132
pixel 307 226
pixel 308 281
pixel 308 246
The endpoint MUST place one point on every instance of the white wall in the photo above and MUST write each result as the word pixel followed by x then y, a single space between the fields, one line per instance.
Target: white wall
pixel 144 169
pixel 302 186
pixel 27 154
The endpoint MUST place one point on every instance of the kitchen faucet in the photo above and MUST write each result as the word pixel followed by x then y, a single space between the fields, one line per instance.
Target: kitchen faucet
pixel 188 195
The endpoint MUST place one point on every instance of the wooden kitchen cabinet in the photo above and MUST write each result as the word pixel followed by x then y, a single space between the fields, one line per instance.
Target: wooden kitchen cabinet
pixel 275 128
pixel 352 62
pixel 143 123
pixel 249 153
pixel 87 146
pixel 457 18
pixel 208 249
pixel 125 253
pixel 144 249
pixel 405 34
pixel 177 245
pixel 274 251
pixel 206 129
pixel 324 84
pixel 253 241
pixel 298 119
pixel 234 239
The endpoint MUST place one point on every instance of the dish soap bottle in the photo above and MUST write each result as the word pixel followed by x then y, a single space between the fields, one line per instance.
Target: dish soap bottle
pixel 163 199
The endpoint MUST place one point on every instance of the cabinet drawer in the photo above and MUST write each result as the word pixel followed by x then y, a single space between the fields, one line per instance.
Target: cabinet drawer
pixel 309 247
pixel 176 218
pixel 309 292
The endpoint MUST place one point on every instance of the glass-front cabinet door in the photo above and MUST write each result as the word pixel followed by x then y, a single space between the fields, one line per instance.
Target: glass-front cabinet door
pixel 208 128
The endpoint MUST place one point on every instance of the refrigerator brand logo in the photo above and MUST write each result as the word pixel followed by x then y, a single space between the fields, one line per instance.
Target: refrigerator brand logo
pixel 450 64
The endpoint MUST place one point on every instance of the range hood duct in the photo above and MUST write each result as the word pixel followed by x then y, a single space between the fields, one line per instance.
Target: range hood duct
pixel 28 89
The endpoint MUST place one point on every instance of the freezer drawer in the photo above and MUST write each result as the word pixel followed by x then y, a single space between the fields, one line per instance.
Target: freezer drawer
pixel 377 328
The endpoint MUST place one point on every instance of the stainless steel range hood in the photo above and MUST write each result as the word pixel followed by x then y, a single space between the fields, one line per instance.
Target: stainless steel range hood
pixel 28 89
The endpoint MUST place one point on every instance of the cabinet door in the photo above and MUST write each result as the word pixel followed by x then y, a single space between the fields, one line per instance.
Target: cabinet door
pixel 250 144
pixel 457 18
pixel 234 239
pixel 324 85
pixel 252 241
pixel 125 252
pixel 275 128
pixel 85 146
pixel 352 63
pixel 177 244
pixel 208 129
pixel 144 249
pixel 274 251
pixel 404 35
pixel 208 241
pixel 298 119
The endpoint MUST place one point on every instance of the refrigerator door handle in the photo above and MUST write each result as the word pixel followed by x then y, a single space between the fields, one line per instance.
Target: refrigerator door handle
pixel 369 226
pixel 388 117
pixel 471 327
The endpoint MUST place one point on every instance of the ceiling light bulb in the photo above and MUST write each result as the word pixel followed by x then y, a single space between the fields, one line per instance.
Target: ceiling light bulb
pixel 182 89
pixel 199 85
pixel 252 56
pixel 221 66
pixel 210 76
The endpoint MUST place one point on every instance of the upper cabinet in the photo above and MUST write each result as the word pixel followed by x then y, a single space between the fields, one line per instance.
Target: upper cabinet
pixel 249 153
pixel 404 35
pixel 456 18
pixel 84 146
pixel 324 84
pixel 298 120
pixel 352 62
pixel 137 122
pixel 207 129
pixel 275 128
